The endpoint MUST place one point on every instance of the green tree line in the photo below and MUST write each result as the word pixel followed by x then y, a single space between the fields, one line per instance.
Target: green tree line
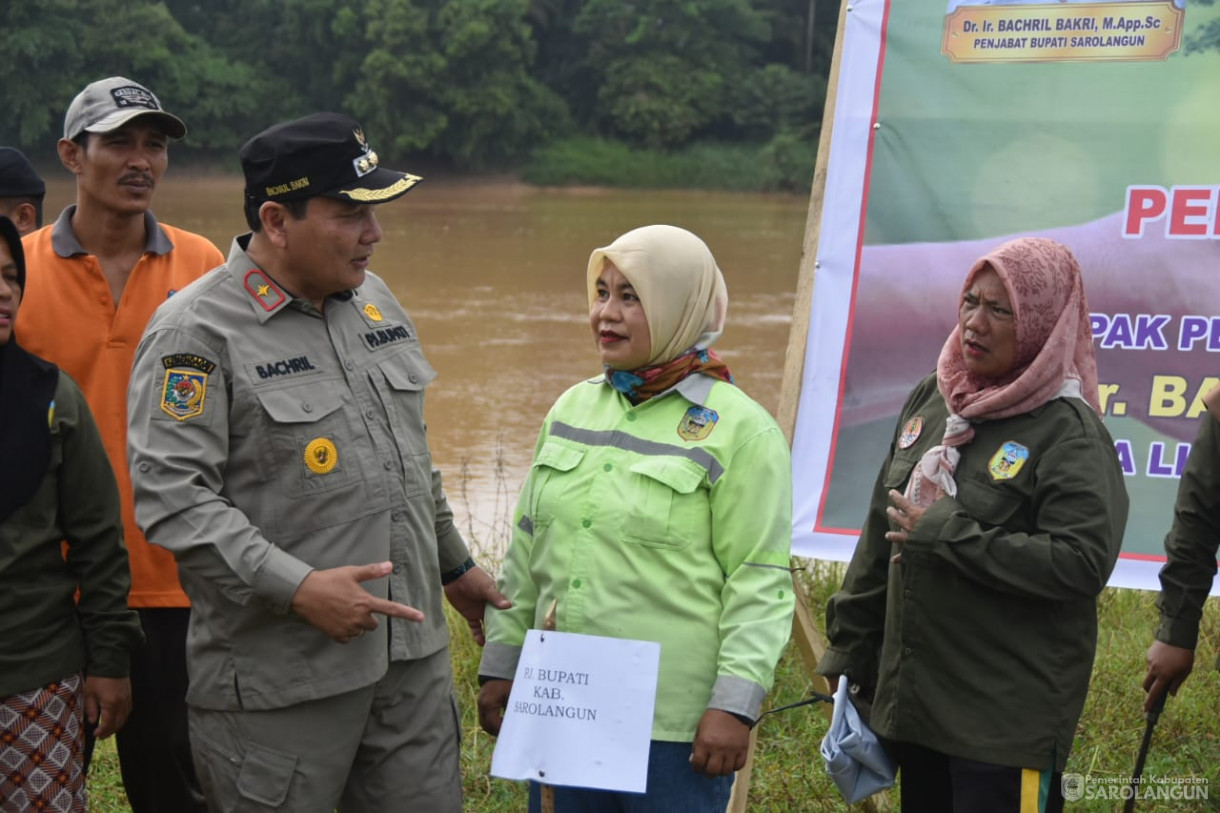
pixel 472 84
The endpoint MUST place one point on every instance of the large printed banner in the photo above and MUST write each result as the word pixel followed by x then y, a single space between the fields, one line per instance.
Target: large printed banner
pixel 959 127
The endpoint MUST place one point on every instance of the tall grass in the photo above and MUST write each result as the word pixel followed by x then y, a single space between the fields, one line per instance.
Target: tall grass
pixel 783 164
pixel 788 774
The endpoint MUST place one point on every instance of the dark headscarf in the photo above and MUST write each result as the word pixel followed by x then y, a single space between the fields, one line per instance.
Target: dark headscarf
pixel 27 397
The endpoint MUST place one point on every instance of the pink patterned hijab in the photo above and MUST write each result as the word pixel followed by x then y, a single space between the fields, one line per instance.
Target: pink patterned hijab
pixel 1054 355
pixel 1054 337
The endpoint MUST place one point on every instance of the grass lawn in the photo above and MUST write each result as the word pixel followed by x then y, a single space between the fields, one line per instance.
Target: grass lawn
pixel 788 774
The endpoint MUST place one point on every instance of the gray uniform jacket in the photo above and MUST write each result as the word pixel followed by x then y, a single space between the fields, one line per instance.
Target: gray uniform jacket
pixel 266 440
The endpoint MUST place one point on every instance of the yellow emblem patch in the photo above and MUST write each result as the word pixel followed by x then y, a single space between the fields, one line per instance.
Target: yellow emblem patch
pixel 184 392
pixel 1008 461
pixel 371 311
pixel 697 423
pixel 321 456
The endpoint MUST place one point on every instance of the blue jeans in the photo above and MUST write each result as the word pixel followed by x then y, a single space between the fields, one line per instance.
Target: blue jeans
pixel 673 787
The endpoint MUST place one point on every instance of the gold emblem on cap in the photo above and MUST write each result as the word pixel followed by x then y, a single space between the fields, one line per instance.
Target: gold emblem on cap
pixel 321 456
pixel 359 134
pixel 373 195
pixel 367 163
pixel 372 312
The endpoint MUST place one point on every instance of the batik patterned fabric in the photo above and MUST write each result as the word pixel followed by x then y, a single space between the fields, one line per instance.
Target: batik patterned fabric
pixel 41 745
pixel 933 476
pixel 642 384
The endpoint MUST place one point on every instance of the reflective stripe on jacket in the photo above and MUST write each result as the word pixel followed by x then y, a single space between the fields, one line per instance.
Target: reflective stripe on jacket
pixel 668 521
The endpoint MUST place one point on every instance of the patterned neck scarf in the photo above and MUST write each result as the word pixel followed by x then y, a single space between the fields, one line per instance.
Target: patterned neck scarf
pixel 1054 351
pixel 641 384
pixel 933 474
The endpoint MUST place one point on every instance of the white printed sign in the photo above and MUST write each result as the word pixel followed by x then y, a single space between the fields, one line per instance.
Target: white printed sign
pixel 580 712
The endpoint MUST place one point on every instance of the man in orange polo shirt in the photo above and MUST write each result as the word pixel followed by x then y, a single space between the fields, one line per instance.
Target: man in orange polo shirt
pixel 95 277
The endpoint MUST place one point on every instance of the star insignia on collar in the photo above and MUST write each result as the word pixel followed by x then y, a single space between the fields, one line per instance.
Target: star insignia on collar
pixel 264 290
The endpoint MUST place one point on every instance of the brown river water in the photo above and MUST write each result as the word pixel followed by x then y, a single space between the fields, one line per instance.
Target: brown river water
pixel 493 275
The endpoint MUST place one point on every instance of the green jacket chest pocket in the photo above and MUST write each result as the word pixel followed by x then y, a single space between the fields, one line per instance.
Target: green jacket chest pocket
pixel 307 441
pixel 667 504
pixel 899 472
pixel 551 487
pixel 995 506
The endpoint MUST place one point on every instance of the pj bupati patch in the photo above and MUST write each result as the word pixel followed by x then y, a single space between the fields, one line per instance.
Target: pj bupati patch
pixel 697 423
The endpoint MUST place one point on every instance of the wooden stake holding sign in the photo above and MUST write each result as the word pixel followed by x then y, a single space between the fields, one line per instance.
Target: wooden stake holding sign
pixel 808 638
pixel 548 791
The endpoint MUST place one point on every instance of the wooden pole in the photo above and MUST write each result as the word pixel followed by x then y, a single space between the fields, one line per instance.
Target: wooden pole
pixel 808 639
pixel 548 791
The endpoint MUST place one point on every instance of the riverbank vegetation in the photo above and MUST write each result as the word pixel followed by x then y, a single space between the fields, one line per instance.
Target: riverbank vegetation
pixel 655 93
pixel 788 773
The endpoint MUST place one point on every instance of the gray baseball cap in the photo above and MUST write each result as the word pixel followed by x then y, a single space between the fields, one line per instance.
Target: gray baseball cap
pixel 108 104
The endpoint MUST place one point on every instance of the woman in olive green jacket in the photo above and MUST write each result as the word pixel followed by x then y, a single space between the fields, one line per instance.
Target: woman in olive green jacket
pixel 969 608
pixel 65 631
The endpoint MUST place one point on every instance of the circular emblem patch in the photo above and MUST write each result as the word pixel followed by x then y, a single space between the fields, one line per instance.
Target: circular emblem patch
pixel 371 311
pixel 321 456
pixel 910 432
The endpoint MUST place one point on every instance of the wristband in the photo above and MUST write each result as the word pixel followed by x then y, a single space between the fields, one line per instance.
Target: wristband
pixel 458 572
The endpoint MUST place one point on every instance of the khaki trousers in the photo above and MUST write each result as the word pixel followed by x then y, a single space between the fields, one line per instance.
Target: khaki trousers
pixel 388 748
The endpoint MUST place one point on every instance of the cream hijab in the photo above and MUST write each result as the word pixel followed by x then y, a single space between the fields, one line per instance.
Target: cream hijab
pixel 678 282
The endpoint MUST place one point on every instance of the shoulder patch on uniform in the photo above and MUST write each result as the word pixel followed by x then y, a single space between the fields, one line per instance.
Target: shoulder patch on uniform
pixel 265 292
pixel 1008 461
pixel 697 423
pixel 910 432
pixel 183 392
pixel 373 312
pixel 188 360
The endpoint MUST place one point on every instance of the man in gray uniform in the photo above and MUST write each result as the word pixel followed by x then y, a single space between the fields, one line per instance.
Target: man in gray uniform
pixel 278 449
